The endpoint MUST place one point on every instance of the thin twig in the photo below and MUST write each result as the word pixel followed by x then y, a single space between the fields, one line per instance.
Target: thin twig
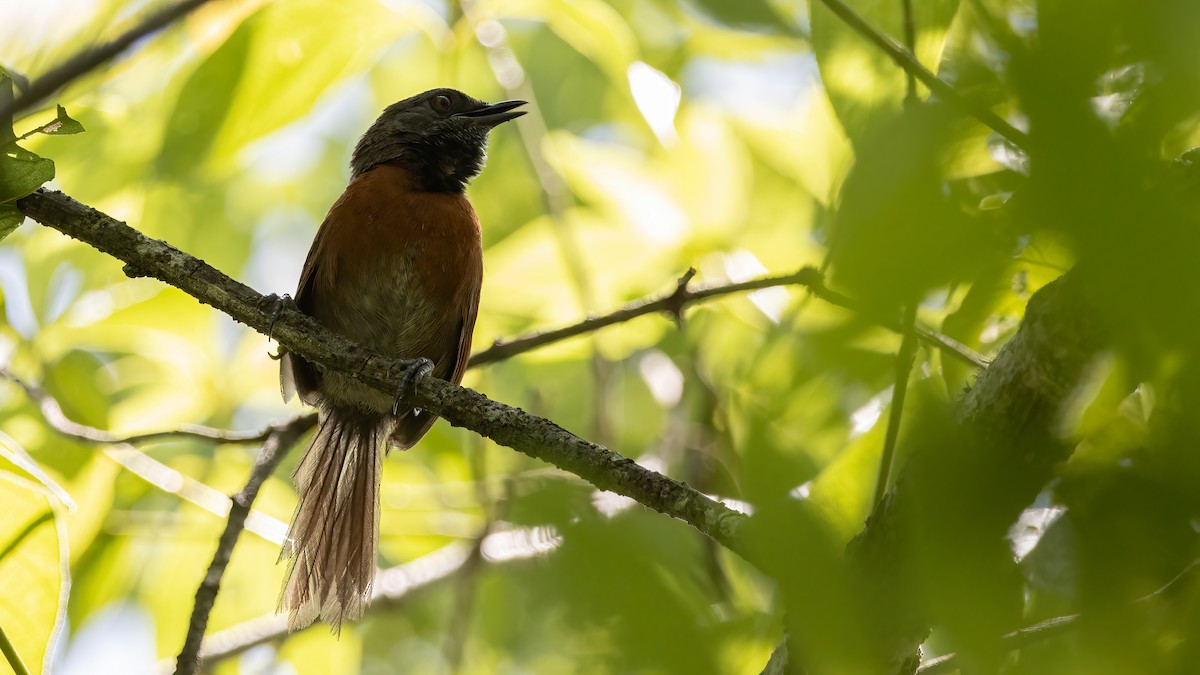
pixel 464 602
pixel 89 59
pixel 1021 637
pixel 904 363
pixel 273 451
pixel 1047 629
pixel 464 597
pixel 906 60
pixel 151 470
pixel 673 303
pixel 11 655
pixel 60 423
pixel 910 41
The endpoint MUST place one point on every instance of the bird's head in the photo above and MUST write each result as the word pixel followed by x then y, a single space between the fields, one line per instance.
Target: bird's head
pixel 440 135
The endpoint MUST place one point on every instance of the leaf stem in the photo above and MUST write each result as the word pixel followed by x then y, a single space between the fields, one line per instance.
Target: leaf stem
pixel 10 653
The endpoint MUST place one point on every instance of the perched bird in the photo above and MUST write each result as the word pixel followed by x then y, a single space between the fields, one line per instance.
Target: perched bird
pixel 396 267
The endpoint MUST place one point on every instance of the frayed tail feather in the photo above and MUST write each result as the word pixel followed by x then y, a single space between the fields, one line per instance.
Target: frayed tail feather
pixel 333 541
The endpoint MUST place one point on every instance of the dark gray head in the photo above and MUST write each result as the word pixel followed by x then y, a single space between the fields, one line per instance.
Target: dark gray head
pixel 440 135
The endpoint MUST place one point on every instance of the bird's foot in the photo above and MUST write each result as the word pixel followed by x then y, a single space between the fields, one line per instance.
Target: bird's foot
pixel 414 369
pixel 278 304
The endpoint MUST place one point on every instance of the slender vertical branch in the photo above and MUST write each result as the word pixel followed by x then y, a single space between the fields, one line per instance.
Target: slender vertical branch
pixel 468 576
pixel 910 41
pixel 904 364
pixel 273 451
pixel 906 60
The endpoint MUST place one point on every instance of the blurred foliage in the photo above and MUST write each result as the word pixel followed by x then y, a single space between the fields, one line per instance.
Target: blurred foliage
pixel 736 136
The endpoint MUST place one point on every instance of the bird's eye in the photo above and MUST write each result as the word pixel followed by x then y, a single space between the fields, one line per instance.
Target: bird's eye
pixel 441 103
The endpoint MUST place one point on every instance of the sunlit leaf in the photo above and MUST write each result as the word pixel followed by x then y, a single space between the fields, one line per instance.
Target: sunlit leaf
pixel 592 27
pixel 10 219
pixel 754 14
pixel 6 97
pixel 33 560
pixel 662 136
pixel 63 125
pixel 22 172
pixel 16 461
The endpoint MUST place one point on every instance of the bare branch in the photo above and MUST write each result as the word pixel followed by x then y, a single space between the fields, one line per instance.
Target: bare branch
pixel 273 451
pixel 904 363
pixel 673 303
pixel 906 60
pixel 89 59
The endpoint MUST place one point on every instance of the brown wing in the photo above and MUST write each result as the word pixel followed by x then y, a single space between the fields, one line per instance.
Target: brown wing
pixel 413 424
pixel 297 376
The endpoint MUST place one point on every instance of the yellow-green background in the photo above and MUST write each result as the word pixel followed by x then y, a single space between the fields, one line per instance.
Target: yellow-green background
pixel 228 136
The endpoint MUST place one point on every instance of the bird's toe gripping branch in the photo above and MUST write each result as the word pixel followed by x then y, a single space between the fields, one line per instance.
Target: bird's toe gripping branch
pixel 414 369
pixel 279 303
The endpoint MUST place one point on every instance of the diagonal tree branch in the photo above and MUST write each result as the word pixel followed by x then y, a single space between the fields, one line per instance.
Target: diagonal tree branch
pixel 299 333
pixel 278 443
pixel 908 61
pixel 673 303
pixel 89 59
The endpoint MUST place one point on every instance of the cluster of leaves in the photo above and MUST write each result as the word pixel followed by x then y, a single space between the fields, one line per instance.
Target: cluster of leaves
pixel 21 171
pixel 788 140
pixel 35 551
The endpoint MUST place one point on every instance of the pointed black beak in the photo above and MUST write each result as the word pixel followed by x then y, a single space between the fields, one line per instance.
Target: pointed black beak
pixel 496 113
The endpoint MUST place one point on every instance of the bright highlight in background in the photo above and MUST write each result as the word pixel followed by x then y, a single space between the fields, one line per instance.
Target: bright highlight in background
pixel 657 98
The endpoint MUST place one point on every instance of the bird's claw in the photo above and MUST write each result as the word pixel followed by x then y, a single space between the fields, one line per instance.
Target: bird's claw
pixel 414 369
pixel 279 303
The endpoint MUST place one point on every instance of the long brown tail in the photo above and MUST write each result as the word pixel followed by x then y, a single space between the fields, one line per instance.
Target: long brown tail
pixel 334 537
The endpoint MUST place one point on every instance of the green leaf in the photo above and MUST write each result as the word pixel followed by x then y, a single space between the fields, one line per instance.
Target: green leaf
pixel 33 568
pixel 22 172
pixel 63 125
pixel 594 29
pixel 27 468
pixel 10 219
pixel 753 14
pixel 10 654
pixel 269 73
pixel 6 97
